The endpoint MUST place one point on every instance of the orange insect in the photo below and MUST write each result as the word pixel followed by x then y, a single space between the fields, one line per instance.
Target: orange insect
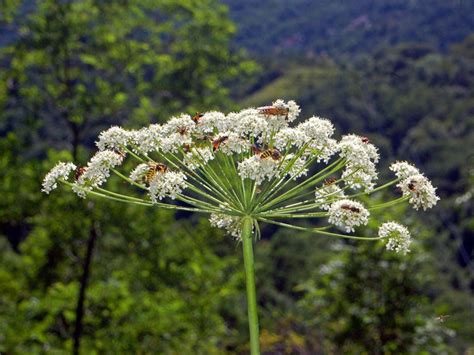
pixel 182 130
pixel 350 208
pixel 186 148
pixel 270 153
pixel 197 117
pixel 330 181
pixel 79 171
pixel 153 170
pixel 274 111
pixel 217 142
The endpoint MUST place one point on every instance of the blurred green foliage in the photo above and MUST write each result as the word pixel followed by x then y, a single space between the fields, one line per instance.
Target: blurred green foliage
pixel 167 283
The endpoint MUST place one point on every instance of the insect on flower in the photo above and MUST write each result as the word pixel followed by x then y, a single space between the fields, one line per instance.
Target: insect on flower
pixel 350 208
pixel 182 130
pixel 365 140
pixel 186 148
pixel 330 181
pixel 217 142
pixel 79 171
pixel 271 153
pixel 153 170
pixel 274 111
pixel 197 117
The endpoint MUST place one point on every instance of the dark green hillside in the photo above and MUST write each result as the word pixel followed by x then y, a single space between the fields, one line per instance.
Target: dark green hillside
pixel 303 27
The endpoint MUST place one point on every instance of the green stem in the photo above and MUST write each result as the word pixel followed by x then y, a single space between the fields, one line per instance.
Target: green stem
pixel 247 242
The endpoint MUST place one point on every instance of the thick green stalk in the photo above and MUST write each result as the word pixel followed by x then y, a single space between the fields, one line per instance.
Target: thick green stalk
pixel 247 242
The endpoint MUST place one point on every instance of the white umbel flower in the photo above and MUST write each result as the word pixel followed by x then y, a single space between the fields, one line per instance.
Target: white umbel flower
pixel 357 150
pixel 403 169
pixel 233 143
pixel 348 214
pixel 327 194
pixel 361 158
pixel 421 191
pixel 213 121
pixel 288 137
pixel 167 184
pixel 258 169
pixel 113 138
pixel 183 125
pixel 230 224
pixel 60 171
pixel 138 174
pixel 248 123
pixel 319 132
pixel 97 171
pixel 399 238
pixel 147 139
pixel 360 177
pixel 293 111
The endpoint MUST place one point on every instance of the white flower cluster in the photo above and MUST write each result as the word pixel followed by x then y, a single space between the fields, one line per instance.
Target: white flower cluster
pixel 328 193
pixel 138 174
pixel 258 169
pixel 348 214
pixel 226 158
pixel 230 223
pixel 60 171
pixel 403 170
pixel 97 171
pixel 399 238
pixel 361 157
pixel 167 184
pixel 319 132
pixel 421 191
pixel 113 138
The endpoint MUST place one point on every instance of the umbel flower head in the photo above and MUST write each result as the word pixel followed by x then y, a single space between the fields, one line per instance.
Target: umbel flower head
pixel 255 163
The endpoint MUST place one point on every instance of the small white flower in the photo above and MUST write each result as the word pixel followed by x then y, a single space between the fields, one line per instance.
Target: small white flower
pixel 358 177
pixel 421 191
pixel 399 238
pixel 357 150
pixel 348 214
pixel 403 169
pixel 233 144
pixel 167 184
pixel 298 167
pixel 139 173
pixel 248 122
pixel 183 125
pixel 197 157
pixel 60 171
pixel 97 171
pixel 258 169
pixel 113 138
pixel 319 132
pixel 231 224
pixel 211 122
pixel 147 139
pixel 327 194
pixel 293 111
pixel 288 137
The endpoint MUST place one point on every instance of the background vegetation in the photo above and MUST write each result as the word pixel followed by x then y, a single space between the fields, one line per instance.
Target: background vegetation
pixel 101 278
